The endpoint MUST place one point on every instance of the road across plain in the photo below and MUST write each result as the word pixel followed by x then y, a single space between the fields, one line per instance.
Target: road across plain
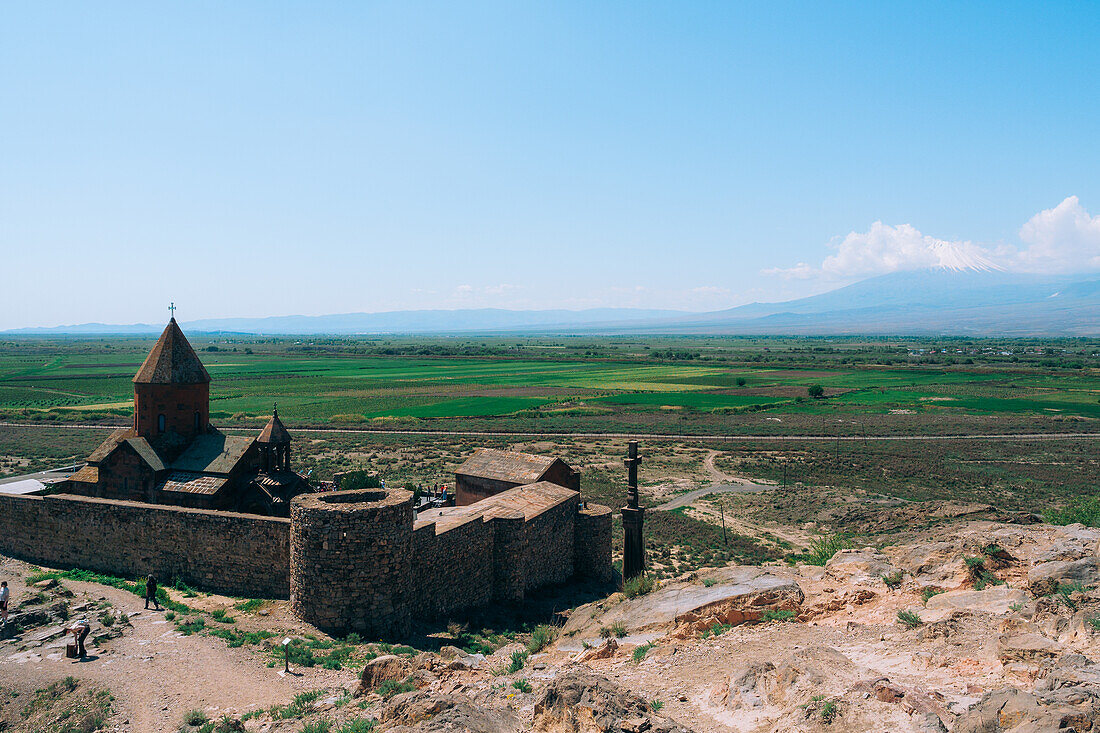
pixel 653 436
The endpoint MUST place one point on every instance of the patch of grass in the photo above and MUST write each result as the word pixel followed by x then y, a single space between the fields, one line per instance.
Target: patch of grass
pixel 823 548
pixel 709 582
pixel 617 629
pixel 910 619
pixel 320 726
pixel 389 688
pixel 1085 510
pixel 522 685
pixel 656 705
pixel 195 717
pixel 829 712
pixel 928 593
pixel 641 651
pixel 893 580
pixel 541 637
pixel 220 615
pixel 191 625
pixel 715 630
pixel 774 615
pixel 252 604
pixel 361 725
pixel 639 585
pixel 980 573
pixel 1065 590
pixel 46 696
pixel 299 706
pixel 169 615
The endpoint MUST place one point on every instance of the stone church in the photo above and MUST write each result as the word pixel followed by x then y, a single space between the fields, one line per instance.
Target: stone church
pixel 172 455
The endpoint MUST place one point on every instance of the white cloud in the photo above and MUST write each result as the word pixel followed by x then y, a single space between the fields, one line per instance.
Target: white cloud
pixel 1063 239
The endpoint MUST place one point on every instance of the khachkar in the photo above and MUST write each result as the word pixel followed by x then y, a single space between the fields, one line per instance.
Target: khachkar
pixel 633 517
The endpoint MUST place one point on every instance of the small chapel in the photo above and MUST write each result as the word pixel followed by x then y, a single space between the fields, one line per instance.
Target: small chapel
pixel 172 455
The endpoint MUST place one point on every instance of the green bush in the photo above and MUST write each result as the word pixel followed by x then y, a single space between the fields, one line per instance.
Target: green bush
pixel 541 638
pixel 893 580
pixel 823 548
pixel 321 726
pixel 519 658
pixel 522 685
pixel 195 717
pixel 389 688
pixel 910 619
pixel 641 651
pixel 362 725
pixel 220 615
pixel 639 585
pixel 774 615
pixel 928 593
pixel 1085 510
pixel 656 705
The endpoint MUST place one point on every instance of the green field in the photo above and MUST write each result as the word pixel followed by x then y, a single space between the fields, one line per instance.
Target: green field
pixel 690 385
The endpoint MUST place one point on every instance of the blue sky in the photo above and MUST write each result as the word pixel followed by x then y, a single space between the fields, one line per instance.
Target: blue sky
pixel 249 159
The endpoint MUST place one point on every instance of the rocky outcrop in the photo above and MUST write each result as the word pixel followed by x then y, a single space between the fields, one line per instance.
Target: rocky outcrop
pixel 1045 578
pixel 866 566
pixel 581 702
pixel 1018 711
pixel 387 668
pixel 424 712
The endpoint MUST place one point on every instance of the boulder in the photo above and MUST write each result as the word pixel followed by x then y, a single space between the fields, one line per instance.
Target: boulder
pixel 579 701
pixel 425 712
pixel 1044 579
pixel 387 668
pixel 606 650
pixel 1011 710
pixel 998 599
pixel 1027 648
pixel 866 566
pixel 741 593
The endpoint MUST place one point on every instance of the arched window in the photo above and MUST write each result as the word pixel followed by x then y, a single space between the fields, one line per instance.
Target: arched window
pixel 160 423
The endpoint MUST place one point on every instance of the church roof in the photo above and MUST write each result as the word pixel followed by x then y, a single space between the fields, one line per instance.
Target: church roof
pixel 145 451
pixel 172 361
pixel 213 452
pixel 506 465
pixel 274 431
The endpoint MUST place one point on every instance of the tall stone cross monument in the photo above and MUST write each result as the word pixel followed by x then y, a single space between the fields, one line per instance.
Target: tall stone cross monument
pixel 633 517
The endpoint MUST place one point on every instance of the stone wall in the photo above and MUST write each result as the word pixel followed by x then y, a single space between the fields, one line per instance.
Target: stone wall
pixel 223 552
pixel 548 551
pixel 592 543
pixel 351 561
pixel 452 569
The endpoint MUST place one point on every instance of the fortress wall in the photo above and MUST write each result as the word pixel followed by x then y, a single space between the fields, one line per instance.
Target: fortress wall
pixel 453 570
pixel 592 543
pixel 548 545
pixel 222 552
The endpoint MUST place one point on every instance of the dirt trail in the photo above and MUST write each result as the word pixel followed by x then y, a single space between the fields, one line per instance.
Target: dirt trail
pixel 724 484
pixel 155 673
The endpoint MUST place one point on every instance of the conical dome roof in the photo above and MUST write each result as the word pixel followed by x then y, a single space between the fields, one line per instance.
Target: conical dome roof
pixel 274 431
pixel 172 361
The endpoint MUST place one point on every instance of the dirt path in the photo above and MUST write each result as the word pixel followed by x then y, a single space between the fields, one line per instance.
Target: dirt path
pixel 155 673
pixel 723 484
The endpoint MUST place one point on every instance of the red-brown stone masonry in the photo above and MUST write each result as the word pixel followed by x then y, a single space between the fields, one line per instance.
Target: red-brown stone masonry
pixel 236 554
pixel 548 554
pixel 125 476
pixel 452 571
pixel 177 402
pixel 472 489
pixel 559 473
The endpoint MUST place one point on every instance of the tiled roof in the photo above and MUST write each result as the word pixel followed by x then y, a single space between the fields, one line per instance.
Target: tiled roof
pixel 213 452
pixel 86 475
pixel 142 448
pixel 274 431
pixel 110 444
pixel 172 361
pixel 532 500
pixel 191 483
pixel 503 465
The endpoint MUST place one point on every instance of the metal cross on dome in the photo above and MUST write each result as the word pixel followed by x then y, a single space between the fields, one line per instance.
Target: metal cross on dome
pixel 172 308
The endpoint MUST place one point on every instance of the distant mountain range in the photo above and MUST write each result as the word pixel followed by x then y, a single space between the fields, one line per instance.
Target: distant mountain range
pixel 964 299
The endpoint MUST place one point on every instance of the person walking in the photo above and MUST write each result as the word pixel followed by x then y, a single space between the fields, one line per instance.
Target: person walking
pixel 80 631
pixel 151 591
pixel 5 594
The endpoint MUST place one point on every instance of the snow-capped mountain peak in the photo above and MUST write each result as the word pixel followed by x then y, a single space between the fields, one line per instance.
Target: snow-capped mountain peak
pixel 962 256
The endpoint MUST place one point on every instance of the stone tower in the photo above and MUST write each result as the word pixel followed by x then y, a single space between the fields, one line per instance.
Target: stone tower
pixel 274 444
pixel 171 389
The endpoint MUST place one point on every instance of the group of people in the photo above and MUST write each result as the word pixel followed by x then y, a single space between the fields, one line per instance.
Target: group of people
pixel 81 627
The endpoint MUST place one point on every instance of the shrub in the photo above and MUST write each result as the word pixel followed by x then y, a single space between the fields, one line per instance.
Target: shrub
pixel 361 725
pixel 252 604
pixel 321 726
pixel 519 659
pixel 1065 590
pixel 774 615
pixel 823 548
pixel 656 705
pixel 221 615
pixel 541 638
pixel 928 593
pixel 639 585
pixel 617 629
pixel 641 651
pixel 893 580
pixel 910 619
pixel 828 712
pixel 816 391
pixel 389 688
pixel 1084 511
pixel 522 685
pixel 708 582
pixel 716 630
pixel 195 717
